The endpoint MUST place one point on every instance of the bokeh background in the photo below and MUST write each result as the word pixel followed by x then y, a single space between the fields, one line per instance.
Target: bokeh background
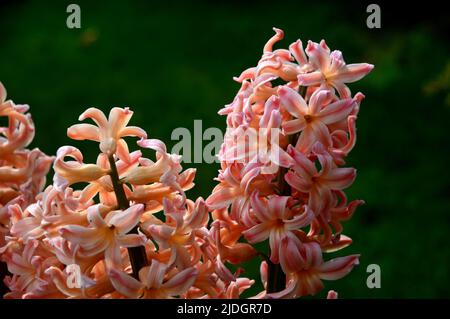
pixel 173 63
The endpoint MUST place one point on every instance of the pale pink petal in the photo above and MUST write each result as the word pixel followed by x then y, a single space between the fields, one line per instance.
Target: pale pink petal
pixel 310 79
pixel 84 132
pixel 95 217
pixel 125 220
pixel 301 220
pixel 79 234
pixel 133 131
pixel 118 118
pixel 259 207
pixel 131 240
pixel 297 51
pixel 306 140
pixel 353 72
pixel 2 93
pixel 113 256
pixel 339 178
pixel 321 133
pixel 277 206
pixel 290 257
pixel 336 111
pixel 343 90
pixel 318 99
pixel 303 165
pixel 125 284
pixel 153 276
pixel 257 233
pixel 221 198
pixel 122 151
pixel 279 35
pixel 288 292
pixel 338 267
pixel 222 271
pixel 181 282
pixel 292 101
pixel 275 239
pixel 153 144
pixel 294 126
pixel 297 182
pixel 319 57
pixel 280 157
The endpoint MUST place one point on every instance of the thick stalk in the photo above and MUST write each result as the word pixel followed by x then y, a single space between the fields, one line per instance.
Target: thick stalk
pixel 276 278
pixel 138 257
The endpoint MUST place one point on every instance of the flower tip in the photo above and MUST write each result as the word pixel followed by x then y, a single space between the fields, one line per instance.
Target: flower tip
pixel 2 93
pixel 281 91
pixel 332 295
pixel 279 32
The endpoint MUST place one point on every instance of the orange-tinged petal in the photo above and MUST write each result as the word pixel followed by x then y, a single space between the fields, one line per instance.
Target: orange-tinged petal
pixel 126 220
pixel 84 132
pixel 125 284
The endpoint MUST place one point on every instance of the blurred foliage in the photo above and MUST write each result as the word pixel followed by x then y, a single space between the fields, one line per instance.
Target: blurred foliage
pixel 173 63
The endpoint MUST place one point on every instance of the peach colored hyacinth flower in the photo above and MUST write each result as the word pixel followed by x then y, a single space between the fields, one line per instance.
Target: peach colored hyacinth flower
pixel 125 225
pixel 22 171
pixel 107 226
pixel 298 208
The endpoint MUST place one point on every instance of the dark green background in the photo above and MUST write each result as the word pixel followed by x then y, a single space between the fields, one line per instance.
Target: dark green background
pixel 174 63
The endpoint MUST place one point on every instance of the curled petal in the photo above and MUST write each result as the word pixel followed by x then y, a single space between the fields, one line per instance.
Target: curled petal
pixel 336 112
pixel 297 51
pixel 297 182
pixel 338 267
pixel 292 101
pixel 84 132
pixel 125 220
pixel 279 35
pixel 340 178
pixel 94 215
pixel 125 284
pixel 132 240
pixel 79 234
pixel 353 72
pixel 96 115
pixel 300 221
pixel 294 126
pixel 290 256
pixel 133 131
pixel 310 79
pixel 257 233
pixel 181 282
pixel 321 133
pixel 153 144
pixel 2 93
pixel 76 171
pixel 118 119
pixel 153 275
pixel 319 55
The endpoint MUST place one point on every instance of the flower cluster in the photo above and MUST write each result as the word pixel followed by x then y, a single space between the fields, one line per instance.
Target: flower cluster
pixel 108 237
pixel 289 190
pixel 123 227
pixel 22 171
